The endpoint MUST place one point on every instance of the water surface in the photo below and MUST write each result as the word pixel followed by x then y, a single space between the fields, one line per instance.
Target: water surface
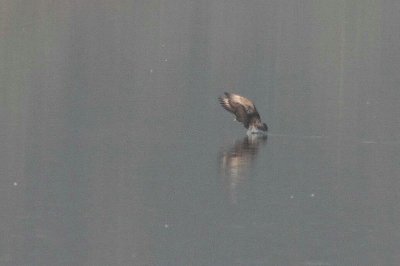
pixel 115 150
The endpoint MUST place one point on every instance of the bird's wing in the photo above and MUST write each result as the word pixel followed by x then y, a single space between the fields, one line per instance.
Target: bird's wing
pixel 246 103
pixel 241 107
pixel 224 101
pixel 242 116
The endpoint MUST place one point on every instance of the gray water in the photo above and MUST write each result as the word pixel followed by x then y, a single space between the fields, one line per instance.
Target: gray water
pixel 115 150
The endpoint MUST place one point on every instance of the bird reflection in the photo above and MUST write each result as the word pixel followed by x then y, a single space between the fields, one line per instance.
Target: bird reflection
pixel 236 161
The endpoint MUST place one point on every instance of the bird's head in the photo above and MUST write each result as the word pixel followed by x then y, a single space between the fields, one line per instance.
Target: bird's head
pixel 264 127
pixel 261 126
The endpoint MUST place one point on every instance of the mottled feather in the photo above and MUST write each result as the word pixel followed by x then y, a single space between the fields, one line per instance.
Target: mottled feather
pixel 244 110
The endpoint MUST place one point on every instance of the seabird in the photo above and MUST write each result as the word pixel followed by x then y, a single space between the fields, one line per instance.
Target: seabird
pixel 245 112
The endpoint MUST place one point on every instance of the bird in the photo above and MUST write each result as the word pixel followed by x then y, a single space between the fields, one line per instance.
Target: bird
pixel 245 112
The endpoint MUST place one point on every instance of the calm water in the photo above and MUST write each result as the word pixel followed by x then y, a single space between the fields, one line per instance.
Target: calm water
pixel 115 150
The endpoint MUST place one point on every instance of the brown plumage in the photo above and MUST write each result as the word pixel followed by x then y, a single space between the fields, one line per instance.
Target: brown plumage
pixel 245 112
